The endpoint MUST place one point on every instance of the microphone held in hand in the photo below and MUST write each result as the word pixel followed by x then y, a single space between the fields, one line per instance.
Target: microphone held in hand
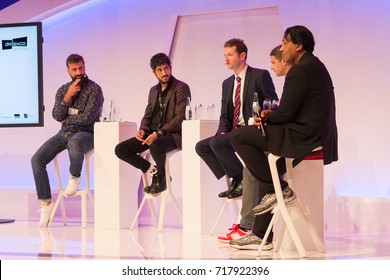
pixel 256 111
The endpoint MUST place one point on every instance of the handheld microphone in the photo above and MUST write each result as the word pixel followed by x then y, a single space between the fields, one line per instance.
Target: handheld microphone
pixel 256 111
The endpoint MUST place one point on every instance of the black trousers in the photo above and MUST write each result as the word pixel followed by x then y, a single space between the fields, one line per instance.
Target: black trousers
pixel 130 149
pixel 250 146
pixel 219 155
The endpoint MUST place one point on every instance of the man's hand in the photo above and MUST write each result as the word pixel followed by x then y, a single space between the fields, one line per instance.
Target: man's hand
pixel 140 135
pixel 150 139
pixel 73 89
pixel 264 116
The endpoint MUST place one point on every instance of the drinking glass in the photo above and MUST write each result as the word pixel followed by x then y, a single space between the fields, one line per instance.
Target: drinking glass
pixel 199 112
pixel 275 104
pixel 211 112
pixel 267 105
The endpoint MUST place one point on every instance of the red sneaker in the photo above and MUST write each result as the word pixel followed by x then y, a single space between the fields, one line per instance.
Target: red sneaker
pixel 234 234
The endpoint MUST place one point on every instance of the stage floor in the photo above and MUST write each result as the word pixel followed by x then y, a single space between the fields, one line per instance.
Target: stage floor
pixel 23 240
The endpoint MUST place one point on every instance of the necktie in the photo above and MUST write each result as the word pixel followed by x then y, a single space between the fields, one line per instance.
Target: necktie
pixel 237 103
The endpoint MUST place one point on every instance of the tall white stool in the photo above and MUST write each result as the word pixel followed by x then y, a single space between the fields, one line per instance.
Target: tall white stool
pixel 163 195
pixel 84 193
pixel 231 201
pixel 284 210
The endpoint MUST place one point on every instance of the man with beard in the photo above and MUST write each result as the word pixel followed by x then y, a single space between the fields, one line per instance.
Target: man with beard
pixel 160 129
pixel 78 105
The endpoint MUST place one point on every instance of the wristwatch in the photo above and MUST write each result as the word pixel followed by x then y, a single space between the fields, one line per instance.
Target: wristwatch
pixel 160 132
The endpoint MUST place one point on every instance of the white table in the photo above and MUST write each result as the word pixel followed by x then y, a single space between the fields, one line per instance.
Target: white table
pixel 116 182
pixel 201 204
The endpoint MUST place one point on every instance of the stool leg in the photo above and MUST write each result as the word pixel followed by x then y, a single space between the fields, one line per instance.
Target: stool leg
pixel 84 210
pixel 153 211
pixel 60 199
pixel 236 210
pixel 162 213
pixel 138 212
pixel 265 237
pixel 219 217
pixel 282 206
pixel 176 205
pixel 62 203
pixel 63 212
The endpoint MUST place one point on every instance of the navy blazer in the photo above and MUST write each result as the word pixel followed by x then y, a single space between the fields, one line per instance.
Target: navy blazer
pixel 306 117
pixel 256 80
pixel 174 109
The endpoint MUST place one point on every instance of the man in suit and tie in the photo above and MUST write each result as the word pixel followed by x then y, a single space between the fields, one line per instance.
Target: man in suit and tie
pixel 160 129
pixel 236 108
pixel 304 120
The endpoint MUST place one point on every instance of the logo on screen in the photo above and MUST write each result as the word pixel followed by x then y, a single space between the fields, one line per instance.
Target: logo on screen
pixel 17 42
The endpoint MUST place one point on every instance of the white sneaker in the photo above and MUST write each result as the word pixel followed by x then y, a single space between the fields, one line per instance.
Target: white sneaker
pixel 72 187
pixel 45 214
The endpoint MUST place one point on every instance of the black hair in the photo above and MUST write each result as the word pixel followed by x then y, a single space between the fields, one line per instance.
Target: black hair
pixel 74 58
pixel 159 59
pixel 300 35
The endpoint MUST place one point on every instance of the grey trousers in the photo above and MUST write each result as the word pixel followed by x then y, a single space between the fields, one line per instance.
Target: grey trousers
pixel 250 198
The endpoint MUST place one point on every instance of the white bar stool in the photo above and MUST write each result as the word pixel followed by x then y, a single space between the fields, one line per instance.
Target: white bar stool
pixel 284 210
pixel 231 201
pixel 84 193
pixel 163 195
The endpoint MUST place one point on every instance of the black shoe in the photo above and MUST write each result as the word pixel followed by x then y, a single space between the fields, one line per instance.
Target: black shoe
pixel 237 192
pixel 233 185
pixel 158 184
pixel 147 189
pixel 224 194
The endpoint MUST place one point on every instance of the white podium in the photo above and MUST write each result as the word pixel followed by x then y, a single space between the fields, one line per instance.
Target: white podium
pixel 116 182
pixel 201 204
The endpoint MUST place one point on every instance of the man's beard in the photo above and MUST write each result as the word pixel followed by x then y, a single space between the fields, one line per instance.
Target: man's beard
pixel 79 76
pixel 165 78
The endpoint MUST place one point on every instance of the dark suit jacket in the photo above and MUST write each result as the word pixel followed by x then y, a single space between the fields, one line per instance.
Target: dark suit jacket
pixel 174 109
pixel 256 80
pixel 306 117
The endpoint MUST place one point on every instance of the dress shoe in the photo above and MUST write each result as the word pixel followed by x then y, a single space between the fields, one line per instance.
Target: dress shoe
pixel 158 184
pixel 269 201
pixel 233 185
pixel 147 189
pixel 224 194
pixel 237 192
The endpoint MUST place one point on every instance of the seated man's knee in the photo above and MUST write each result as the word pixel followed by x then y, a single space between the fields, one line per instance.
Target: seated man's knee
pixel 217 143
pixel 75 146
pixel 200 147
pixel 119 150
pixel 35 161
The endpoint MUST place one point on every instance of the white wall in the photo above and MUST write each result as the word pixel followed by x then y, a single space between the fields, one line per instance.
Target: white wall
pixel 117 39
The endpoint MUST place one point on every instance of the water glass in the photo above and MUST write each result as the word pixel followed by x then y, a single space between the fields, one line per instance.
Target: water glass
pixel 267 105
pixel 199 112
pixel 275 104
pixel 211 112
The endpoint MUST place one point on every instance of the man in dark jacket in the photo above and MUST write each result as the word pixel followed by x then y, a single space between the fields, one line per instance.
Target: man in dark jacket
pixel 304 120
pixel 160 129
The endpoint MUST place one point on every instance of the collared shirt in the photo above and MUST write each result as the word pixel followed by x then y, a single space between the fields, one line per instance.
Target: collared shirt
pixel 84 110
pixel 241 121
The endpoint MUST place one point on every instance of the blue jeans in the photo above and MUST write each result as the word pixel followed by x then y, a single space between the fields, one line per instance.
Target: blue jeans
pixel 77 143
